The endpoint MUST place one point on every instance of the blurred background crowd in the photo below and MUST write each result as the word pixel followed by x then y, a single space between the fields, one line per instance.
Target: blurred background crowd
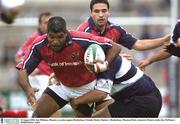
pixel 75 12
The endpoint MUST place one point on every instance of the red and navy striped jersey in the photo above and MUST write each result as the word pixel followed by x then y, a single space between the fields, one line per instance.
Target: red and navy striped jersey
pixel 176 32
pixel 68 65
pixel 43 66
pixel 112 31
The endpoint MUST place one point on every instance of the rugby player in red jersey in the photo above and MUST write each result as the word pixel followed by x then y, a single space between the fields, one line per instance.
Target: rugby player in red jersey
pixel 63 50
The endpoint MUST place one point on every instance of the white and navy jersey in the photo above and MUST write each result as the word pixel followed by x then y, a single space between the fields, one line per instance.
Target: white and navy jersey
pixel 123 73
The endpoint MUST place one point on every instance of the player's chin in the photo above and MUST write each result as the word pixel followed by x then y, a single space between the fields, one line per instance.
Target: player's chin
pixel 56 49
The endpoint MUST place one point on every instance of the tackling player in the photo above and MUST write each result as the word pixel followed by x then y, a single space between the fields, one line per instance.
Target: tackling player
pixel 135 94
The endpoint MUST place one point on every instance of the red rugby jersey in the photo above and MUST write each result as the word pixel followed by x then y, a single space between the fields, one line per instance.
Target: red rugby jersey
pixel 112 31
pixel 68 65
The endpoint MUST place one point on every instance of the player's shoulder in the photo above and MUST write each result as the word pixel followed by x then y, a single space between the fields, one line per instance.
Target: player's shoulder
pixel 34 36
pixel 40 39
pixel 80 34
pixel 115 26
pixel 83 26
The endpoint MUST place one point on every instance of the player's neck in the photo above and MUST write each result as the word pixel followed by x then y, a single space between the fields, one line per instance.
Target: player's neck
pixel 101 29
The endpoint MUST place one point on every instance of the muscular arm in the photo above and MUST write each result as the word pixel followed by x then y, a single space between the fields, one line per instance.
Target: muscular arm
pixel 25 85
pixel 113 52
pixel 23 80
pixel 102 89
pixel 157 57
pixel 148 44
pixel 90 97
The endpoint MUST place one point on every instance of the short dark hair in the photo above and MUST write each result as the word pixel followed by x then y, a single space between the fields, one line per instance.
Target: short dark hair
pixel 98 1
pixel 56 24
pixel 42 15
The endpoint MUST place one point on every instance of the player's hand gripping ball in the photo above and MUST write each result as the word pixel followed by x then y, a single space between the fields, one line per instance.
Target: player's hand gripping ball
pixel 94 59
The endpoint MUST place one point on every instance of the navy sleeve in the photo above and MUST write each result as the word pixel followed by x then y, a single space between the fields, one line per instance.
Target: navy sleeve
pixel 126 39
pixel 176 32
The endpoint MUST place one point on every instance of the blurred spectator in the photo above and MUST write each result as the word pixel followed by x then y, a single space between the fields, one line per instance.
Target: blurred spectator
pixel 125 5
pixel 165 3
pixel 9 9
pixel 8 52
pixel 143 9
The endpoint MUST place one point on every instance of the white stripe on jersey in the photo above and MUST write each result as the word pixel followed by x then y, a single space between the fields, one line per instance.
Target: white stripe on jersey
pixel 136 77
pixel 125 66
pixel 92 41
pixel 86 29
pixel 124 84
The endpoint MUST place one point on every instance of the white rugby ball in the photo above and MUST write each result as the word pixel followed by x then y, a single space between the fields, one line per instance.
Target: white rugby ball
pixel 94 52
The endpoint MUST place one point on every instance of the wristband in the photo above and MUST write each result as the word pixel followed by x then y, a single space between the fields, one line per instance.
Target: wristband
pixel 100 67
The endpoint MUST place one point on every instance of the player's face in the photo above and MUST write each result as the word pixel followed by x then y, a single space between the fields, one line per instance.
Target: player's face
pixel 43 24
pixel 100 14
pixel 57 41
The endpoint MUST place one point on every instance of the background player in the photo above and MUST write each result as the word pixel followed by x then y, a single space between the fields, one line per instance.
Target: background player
pixel 99 25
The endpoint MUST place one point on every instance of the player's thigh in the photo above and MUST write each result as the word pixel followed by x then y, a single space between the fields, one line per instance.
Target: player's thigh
pixel 47 105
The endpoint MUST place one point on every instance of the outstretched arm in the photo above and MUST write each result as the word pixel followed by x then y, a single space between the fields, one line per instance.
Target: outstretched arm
pixel 161 55
pixel 113 52
pixel 148 44
pixel 102 89
pixel 90 97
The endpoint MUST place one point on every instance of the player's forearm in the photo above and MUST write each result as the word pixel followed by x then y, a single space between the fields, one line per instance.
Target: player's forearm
pixel 23 80
pixel 90 97
pixel 113 52
pixel 161 55
pixel 148 44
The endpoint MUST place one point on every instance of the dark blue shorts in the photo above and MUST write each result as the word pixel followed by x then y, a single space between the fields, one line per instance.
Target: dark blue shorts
pixel 138 103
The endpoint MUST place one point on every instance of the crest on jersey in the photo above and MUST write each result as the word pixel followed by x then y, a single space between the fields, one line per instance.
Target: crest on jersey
pixel 74 55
